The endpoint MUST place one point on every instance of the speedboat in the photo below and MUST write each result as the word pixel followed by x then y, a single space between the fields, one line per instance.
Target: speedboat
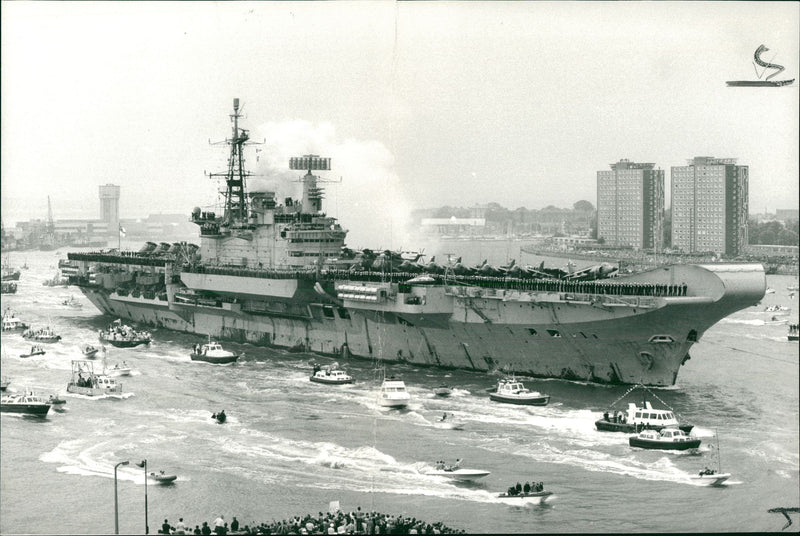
pixel 41 335
pixel 118 370
pixel 666 439
pixel 777 309
pixel 89 351
pixel 330 374
pixel 639 417
pixel 162 478
pixel 443 390
pixel 27 404
pixel 512 391
pixel 212 352
pixel 711 477
pixel 35 350
pixel 72 302
pixel 455 472
pixel 393 393
pixel 85 382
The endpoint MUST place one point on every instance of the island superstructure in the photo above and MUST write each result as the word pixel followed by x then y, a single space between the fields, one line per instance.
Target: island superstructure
pixel 278 274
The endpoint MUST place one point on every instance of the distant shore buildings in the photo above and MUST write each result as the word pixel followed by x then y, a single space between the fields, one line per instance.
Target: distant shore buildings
pixel 630 205
pixel 51 233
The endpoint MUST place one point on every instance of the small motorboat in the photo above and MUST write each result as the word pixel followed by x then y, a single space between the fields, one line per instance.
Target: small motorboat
pixel 89 351
pixel 56 400
pixel 219 417
pixel 793 333
pixel 448 421
pixel 455 472
pixel 777 309
pixel 638 418
pixel 443 390
pixel 212 352
pixel 72 302
pixel 123 336
pixel 36 349
pixel 769 290
pixel 393 393
pixel 26 404
pixel 41 335
pixel 84 381
pixel 12 323
pixel 162 478
pixel 330 374
pixel 711 478
pixel 666 439
pixel 523 498
pixel 118 370
pixel 512 391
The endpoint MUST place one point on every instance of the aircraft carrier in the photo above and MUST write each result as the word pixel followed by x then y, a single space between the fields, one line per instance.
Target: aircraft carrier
pixel 277 273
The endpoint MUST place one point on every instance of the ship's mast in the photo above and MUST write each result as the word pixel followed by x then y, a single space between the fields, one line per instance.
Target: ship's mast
pixel 235 196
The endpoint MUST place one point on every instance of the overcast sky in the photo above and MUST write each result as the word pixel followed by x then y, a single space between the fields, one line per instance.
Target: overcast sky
pixel 419 104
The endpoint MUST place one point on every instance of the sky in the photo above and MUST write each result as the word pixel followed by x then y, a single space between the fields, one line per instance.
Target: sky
pixel 419 104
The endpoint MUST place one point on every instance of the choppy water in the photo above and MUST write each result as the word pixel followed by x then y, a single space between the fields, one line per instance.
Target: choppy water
pixel 290 447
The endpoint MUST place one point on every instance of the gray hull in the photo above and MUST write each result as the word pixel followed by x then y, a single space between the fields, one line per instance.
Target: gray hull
pixel 571 337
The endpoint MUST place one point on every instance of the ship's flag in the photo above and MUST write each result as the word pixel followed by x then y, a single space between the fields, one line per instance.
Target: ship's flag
pixel 121 230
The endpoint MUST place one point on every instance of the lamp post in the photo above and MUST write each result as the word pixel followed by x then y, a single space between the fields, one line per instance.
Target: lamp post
pixel 146 524
pixel 116 502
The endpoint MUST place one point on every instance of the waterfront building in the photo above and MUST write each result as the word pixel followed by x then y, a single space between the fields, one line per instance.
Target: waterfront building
pixel 710 206
pixel 109 206
pixel 630 205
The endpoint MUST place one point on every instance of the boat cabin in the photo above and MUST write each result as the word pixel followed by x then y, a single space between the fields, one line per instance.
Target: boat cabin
pixel 649 416
pixel 511 387
pixel 212 347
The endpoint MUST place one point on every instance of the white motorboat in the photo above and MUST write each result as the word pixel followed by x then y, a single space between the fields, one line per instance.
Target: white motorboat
pixel 456 472
pixel 85 382
pixel 162 478
pixel 512 391
pixel 213 352
pixel 712 478
pixel 12 323
pixel 524 499
pixel 41 335
pixel 666 439
pixel 24 403
pixel 118 370
pixel 393 393
pixel 443 390
pixel 330 374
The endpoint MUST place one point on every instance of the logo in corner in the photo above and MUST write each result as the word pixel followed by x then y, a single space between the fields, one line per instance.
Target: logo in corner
pixel 757 61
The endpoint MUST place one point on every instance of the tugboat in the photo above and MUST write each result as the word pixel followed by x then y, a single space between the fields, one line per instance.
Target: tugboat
pixel 41 335
pixel 393 393
pixel 27 404
pixel 85 382
pixel 123 336
pixel 512 391
pixel 12 323
pixel 36 349
pixel 666 439
pixel 520 495
pixel 330 375
pixel 212 352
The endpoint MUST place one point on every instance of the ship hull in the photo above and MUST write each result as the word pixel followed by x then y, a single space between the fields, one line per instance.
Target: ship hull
pixel 584 341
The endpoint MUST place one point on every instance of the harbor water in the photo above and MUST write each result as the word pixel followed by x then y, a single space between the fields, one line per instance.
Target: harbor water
pixel 290 446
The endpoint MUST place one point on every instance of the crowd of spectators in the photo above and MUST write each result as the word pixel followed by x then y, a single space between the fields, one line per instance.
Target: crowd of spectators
pixel 356 522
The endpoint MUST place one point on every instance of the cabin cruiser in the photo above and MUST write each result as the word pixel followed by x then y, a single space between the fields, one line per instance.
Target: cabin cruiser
pixel 212 352
pixel 777 309
pixel 638 418
pixel 25 403
pixel 12 323
pixel 85 382
pixel 330 374
pixel 666 439
pixel 118 370
pixel 393 393
pixel 512 391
